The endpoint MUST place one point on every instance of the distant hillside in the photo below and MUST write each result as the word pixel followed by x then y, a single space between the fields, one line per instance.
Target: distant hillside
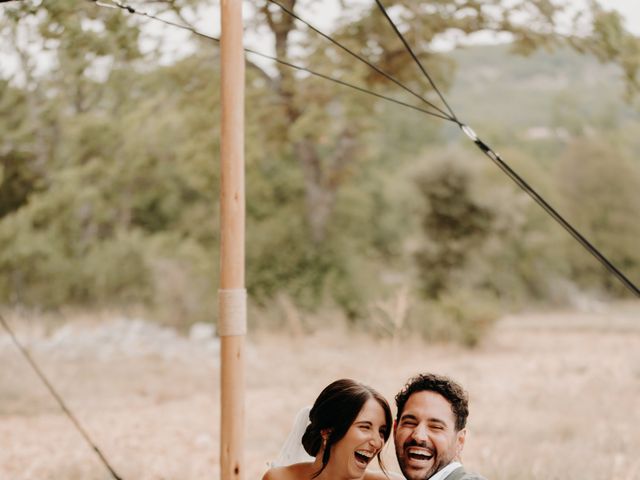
pixel 497 87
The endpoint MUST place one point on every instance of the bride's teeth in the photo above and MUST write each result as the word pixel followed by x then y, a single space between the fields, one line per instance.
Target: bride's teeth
pixel 364 454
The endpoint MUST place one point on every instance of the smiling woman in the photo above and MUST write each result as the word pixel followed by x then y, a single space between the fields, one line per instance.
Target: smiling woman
pixel 349 424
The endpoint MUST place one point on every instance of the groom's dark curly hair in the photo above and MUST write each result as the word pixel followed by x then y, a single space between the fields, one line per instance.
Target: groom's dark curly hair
pixel 450 390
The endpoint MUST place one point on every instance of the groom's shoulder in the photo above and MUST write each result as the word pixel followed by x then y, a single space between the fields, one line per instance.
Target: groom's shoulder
pixel 382 476
pixel 461 474
pixel 465 476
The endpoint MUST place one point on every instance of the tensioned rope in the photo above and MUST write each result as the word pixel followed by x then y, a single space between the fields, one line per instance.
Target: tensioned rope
pixel 486 149
pixel 513 175
pixel 360 58
pixel 415 59
pixel 25 353
pixel 130 9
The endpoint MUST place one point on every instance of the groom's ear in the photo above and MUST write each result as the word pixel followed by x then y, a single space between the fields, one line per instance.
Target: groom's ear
pixel 460 439
pixel 395 427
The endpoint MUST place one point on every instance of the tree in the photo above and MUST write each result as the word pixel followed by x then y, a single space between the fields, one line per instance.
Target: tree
pixel 600 188
pixel 454 222
pixel 119 152
pixel 304 106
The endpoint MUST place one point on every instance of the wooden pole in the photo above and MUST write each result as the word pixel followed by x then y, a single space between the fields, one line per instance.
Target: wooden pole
pixel 232 295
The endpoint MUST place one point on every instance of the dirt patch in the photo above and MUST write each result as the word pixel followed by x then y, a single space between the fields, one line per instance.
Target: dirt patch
pixel 552 396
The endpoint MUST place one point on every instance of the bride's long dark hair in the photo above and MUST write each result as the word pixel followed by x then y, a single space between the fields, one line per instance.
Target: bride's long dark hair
pixel 334 411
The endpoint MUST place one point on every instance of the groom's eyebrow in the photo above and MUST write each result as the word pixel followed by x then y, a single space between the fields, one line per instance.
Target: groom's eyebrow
pixel 408 416
pixel 438 421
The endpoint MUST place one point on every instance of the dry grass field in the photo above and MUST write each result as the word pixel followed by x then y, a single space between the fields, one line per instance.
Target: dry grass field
pixel 553 395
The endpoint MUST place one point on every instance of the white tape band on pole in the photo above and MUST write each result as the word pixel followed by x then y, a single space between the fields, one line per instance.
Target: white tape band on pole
pixel 232 312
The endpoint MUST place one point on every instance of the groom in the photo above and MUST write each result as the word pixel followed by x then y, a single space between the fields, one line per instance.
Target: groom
pixel 429 430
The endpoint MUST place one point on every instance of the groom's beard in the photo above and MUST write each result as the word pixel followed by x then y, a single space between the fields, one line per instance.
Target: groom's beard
pixel 439 460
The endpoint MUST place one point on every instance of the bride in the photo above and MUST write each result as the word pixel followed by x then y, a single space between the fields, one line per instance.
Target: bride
pixel 348 425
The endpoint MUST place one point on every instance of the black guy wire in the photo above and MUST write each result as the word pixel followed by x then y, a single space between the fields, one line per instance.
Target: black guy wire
pixel 415 58
pixel 130 9
pixel 513 175
pixel 362 59
pixel 489 152
pixel 54 393
pixel 350 85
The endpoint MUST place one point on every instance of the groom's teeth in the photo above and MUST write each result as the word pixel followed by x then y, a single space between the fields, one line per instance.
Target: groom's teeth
pixel 419 453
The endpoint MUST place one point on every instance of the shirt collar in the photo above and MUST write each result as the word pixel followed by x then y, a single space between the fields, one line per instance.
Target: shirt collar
pixel 444 472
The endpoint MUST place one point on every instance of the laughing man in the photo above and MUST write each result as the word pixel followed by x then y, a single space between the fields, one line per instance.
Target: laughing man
pixel 429 430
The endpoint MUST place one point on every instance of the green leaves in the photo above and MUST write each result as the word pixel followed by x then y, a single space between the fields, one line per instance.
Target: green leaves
pixel 612 43
pixel 109 163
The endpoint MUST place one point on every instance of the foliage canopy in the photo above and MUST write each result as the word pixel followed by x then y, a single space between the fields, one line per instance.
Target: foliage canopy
pixel 109 172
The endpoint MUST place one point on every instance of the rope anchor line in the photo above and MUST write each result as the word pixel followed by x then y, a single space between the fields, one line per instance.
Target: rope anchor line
pixel 375 68
pixel 504 167
pixel 118 5
pixel 552 212
pixel 489 152
pixel 61 403
pixel 468 131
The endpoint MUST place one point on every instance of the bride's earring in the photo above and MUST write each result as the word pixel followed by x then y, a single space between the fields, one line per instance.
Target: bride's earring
pixel 324 434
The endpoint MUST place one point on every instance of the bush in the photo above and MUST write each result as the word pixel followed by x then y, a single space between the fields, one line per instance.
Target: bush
pixel 600 187
pixel 462 317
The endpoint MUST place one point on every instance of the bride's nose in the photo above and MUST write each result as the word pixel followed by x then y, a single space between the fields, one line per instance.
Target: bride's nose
pixel 376 441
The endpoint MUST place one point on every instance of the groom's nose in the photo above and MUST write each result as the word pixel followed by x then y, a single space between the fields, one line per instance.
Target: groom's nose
pixel 419 433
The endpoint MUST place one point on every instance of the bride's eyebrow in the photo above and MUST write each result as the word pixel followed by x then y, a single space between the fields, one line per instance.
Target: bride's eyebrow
pixel 363 422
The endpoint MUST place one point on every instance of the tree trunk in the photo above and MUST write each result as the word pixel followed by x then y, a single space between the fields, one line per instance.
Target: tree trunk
pixel 319 197
pixel 322 177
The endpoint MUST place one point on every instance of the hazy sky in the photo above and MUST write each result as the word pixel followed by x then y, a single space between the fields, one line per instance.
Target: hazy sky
pixel 630 9
pixel 323 15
